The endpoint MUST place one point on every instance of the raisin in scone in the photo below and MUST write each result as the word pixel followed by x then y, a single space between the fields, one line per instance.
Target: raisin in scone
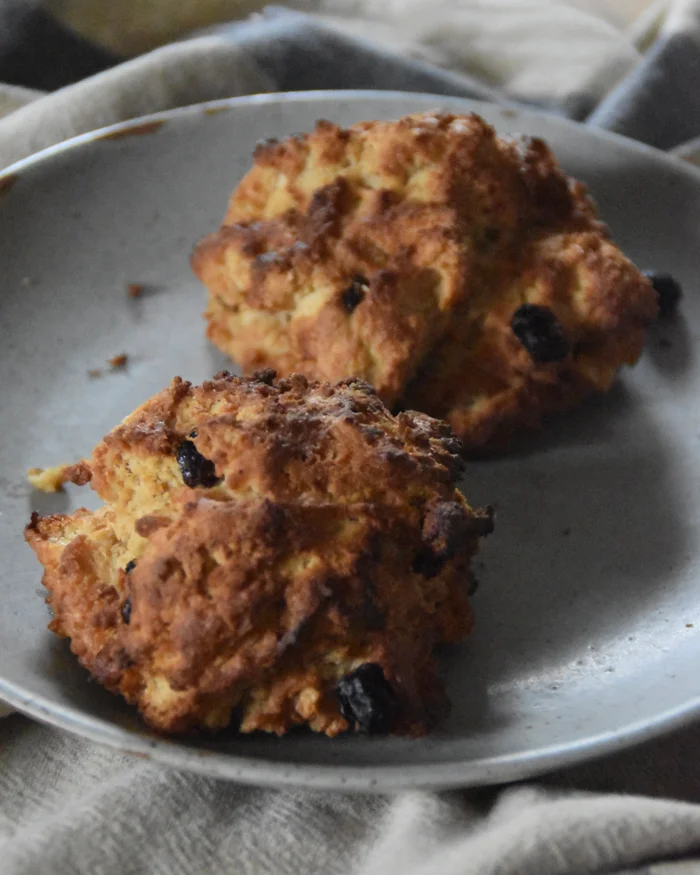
pixel 269 554
pixel 456 271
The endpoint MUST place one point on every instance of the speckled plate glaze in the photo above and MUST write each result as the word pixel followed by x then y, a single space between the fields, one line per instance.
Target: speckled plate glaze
pixel 588 634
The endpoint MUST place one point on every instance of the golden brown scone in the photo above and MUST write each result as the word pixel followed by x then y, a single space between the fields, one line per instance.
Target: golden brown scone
pixel 269 553
pixel 402 251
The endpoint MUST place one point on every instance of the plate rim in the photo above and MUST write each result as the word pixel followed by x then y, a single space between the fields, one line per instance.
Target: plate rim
pixel 264 771
pixel 267 772
pixel 508 110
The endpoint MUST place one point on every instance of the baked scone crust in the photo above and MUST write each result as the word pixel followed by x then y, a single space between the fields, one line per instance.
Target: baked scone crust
pixel 329 534
pixel 400 251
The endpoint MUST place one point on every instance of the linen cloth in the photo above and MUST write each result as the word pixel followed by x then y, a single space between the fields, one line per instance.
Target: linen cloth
pixel 68 806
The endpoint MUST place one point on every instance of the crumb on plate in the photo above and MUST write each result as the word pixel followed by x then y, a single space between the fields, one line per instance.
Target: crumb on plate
pixel 52 479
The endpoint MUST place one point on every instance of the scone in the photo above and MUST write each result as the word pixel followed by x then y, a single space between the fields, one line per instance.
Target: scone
pixel 455 270
pixel 269 554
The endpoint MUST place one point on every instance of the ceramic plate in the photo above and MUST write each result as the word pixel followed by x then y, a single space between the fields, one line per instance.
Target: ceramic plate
pixel 588 633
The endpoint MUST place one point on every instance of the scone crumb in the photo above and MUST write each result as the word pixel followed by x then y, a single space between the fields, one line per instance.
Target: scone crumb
pixel 48 479
pixel 118 361
pixel 134 290
pixel 52 479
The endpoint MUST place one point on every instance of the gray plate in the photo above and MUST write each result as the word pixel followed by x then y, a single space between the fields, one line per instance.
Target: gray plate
pixel 588 635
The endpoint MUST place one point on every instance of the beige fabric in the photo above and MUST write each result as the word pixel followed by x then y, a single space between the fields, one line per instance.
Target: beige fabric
pixel 176 75
pixel 130 27
pixel 689 152
pixel 683 16
pixel 68 807
pixel 537 50
pixel 534 49
pixel 12 97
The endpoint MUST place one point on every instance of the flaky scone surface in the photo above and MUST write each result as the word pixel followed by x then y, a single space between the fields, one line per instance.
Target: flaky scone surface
pixel 400 251
pixel 260 542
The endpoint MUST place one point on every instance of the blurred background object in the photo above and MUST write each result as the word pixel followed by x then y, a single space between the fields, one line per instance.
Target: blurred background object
pixel 547 52
pixel 129 27
pixel 570 57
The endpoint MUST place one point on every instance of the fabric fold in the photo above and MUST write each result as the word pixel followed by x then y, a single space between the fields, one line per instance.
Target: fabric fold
pixel 198 70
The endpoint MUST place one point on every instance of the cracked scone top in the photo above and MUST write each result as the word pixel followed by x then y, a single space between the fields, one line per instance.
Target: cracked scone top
pixel 269 553
pixel 403 251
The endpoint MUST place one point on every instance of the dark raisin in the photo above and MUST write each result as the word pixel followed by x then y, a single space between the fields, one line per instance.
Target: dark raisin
pixel 367 700
pixel 130 565
pixel 355 293
pixel 126 611
pixel 428 563
pixel 196 470
pixel 266 376
pixel 234 721
pixel 488 238
pixel 539 331
pixel 668 291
